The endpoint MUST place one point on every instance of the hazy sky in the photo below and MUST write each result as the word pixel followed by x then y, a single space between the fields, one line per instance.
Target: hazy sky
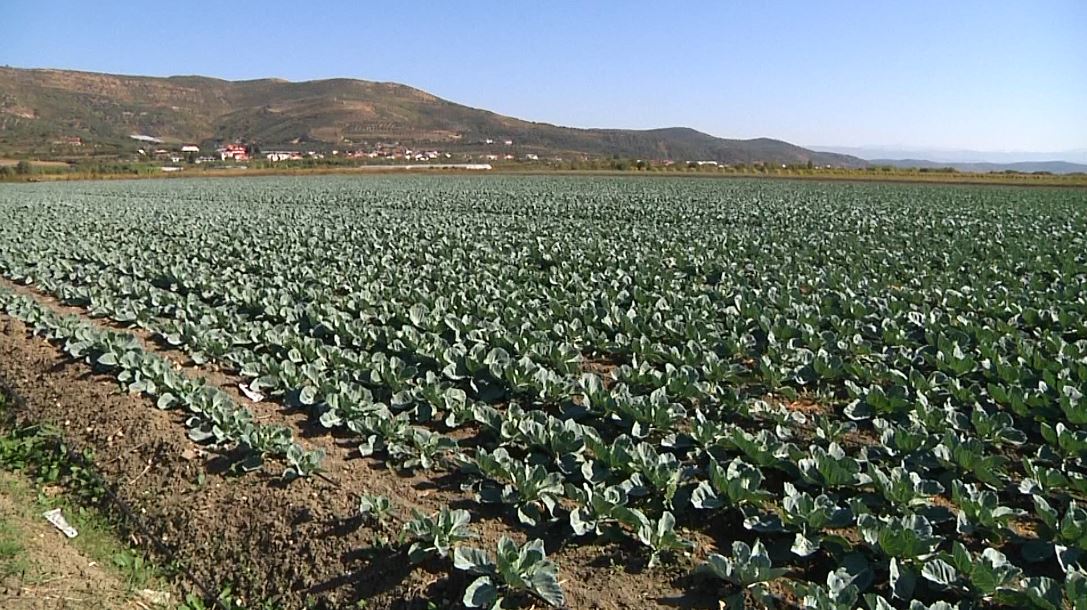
pixel 995 75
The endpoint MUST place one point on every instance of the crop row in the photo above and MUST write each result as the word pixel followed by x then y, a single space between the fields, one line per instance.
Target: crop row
pixel 884 386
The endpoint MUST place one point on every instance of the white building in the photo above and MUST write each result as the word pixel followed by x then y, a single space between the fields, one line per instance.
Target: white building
pixel 283 155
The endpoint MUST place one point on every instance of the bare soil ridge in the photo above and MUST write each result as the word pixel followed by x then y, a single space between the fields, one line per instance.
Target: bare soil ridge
pixel 268 540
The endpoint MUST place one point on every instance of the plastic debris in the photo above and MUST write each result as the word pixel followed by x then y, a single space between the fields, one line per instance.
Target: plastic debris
pixel 251 394
pixel 57 519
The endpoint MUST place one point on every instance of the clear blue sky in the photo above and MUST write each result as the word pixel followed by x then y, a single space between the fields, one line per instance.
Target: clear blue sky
pixel 996 75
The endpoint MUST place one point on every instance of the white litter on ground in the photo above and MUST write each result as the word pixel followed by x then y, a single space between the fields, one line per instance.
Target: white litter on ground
pixel 251 394
pixel 57 519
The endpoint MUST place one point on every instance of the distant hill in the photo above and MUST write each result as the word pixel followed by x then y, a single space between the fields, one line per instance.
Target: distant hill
pixel 45 111
pixel 1026 167
pixel 951 155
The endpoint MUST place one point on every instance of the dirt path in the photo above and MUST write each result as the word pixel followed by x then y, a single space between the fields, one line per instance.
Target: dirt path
pixel 264 538
pixel 40 569
pixel 273 541
pixel 339 466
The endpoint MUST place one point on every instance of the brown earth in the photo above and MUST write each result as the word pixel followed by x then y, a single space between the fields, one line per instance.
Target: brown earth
pixel 808 406
pixel 54 574
pixel 14 162
pixel 604 368
pixel 291 542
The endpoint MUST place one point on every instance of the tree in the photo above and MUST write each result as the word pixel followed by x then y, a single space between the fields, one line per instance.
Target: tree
pixel 23 167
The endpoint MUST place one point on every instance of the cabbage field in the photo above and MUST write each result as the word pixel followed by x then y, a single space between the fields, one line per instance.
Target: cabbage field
pixel 767 393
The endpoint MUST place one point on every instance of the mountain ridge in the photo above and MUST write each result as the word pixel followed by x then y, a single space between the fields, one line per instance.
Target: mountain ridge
pixel 1026 167
pixel 954 155
pixel 42 107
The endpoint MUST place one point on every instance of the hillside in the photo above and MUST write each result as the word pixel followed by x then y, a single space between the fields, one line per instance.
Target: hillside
pixel 41 109
pixel 1026 167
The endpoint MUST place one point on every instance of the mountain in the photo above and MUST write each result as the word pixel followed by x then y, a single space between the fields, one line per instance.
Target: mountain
pixel 41 110
pixel 1026 167
pixel 946 156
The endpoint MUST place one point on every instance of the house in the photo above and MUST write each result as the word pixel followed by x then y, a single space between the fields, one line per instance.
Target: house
pixel 532 157
pixel 508 142
pixel 282 155
pixel 189 148
pixel 234 152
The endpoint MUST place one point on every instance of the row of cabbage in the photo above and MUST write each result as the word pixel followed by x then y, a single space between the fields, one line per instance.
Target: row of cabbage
pixel 212 416
pixel 883 385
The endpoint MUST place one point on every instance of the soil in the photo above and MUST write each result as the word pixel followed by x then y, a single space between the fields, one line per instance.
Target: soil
pixel 808 406
pixel 601 367
pixel 943 502
pixel 1025 528
pixel 298 543
pixel 54 574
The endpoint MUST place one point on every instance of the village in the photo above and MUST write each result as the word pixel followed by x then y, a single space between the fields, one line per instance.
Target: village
pixel 241 152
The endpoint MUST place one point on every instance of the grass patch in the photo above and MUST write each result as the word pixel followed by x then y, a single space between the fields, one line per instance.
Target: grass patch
pixel 37 474
pixel 40 472
pixel 12 554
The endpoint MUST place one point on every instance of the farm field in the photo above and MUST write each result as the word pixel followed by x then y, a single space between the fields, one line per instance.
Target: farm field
pixel 569 391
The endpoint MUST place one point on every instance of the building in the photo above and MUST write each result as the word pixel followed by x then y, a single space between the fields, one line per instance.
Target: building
pixel 283 155
pixel 189 148
pixel 234 152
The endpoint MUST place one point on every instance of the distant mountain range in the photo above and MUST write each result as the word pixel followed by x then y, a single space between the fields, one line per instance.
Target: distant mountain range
pixel 51 111
pixel 1067 161
pixel 1026 167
